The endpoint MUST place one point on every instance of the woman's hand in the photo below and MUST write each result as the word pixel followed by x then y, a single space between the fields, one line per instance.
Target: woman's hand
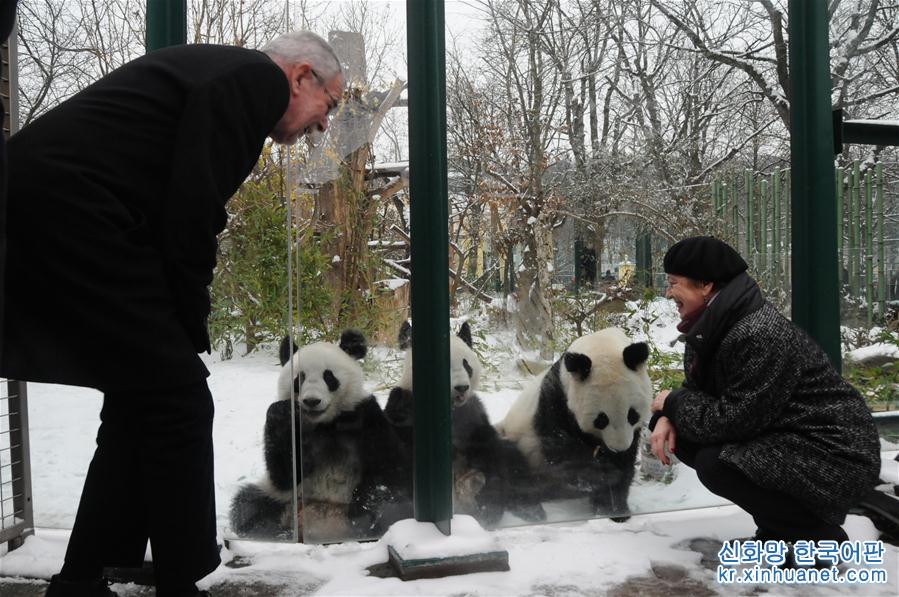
pixel 659 401
pixel 663 433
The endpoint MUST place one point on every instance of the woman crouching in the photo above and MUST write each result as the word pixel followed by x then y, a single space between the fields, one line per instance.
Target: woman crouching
pixel 762 415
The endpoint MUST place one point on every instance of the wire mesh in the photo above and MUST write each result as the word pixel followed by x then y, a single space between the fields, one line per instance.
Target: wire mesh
pixel 16 520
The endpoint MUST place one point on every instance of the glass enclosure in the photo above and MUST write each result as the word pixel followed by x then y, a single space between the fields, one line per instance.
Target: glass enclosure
pixel 583 140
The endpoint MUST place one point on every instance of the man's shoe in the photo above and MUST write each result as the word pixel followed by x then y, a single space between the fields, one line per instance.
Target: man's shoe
pixel 59 587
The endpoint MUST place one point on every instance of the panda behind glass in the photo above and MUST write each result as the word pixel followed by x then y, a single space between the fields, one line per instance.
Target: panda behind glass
pixel 579 424
pixel 348 480
pixel 487 470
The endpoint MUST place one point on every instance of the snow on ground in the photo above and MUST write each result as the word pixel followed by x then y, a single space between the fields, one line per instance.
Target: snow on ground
pixel 574 557
pixel 582 558
pixel 879 349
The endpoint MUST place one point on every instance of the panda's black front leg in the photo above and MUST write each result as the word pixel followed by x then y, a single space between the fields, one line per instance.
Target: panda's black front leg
pixel 611 500
pixel 616 474
pixel 279 445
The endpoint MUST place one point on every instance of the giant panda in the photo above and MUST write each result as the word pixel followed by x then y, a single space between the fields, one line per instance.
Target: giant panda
pixel 486 468
pixel 350 472
pixel 579 424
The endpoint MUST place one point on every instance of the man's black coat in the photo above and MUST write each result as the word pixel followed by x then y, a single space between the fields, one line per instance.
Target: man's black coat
pixel 115 200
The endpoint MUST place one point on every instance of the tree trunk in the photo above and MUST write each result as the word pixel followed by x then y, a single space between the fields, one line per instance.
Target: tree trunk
pixel 535 328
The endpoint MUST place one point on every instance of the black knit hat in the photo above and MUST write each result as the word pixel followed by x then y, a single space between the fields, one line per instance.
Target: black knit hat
pixel 704 258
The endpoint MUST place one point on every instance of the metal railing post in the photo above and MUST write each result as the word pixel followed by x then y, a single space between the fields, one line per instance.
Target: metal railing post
pixel 815 292
pixel 433 493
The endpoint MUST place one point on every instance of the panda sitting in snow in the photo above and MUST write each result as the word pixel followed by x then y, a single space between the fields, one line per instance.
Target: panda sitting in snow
pixel 579 424
pixel 487 469
pixel 348 479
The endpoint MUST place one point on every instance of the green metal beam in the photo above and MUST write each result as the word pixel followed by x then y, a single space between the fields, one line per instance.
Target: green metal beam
pixel 870 132
pixel 815 296
pixel 430 279
pixel 166 23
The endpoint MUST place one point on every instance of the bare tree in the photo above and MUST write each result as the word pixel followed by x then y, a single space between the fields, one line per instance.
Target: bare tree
pixel 529 98
pixel 751 37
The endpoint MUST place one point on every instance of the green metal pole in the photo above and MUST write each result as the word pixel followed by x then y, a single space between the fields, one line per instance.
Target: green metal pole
pixel 869 250
pixel 166 23
pixel 815 297
pixel 430 278
pixel 881 250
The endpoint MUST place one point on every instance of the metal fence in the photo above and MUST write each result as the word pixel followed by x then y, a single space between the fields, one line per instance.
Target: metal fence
pixel 16 518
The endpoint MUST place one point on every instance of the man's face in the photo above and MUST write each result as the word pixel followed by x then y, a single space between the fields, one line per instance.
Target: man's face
pixel 311 101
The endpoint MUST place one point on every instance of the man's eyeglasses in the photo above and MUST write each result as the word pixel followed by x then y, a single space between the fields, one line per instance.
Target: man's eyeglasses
pixel 333 101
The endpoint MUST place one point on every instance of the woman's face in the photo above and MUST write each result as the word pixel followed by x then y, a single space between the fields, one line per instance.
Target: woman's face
pixel 687 294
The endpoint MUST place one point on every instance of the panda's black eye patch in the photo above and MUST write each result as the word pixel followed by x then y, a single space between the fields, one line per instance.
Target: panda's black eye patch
pixel 302 377
pixel 467 367
pixel 601 421
pixel 633 416
pixel 333 382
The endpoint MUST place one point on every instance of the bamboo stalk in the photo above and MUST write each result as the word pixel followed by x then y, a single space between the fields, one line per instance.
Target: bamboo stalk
pixel 869 249
pixel 763 226
pixel 788 231
pixel 881 254
pixel 747 177
pixel 854 232
pixel 775 227
pixel 735 218
pixel 838 183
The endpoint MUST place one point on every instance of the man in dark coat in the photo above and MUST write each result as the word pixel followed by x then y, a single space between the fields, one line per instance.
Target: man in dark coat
pixel 763 416
pixel 116 197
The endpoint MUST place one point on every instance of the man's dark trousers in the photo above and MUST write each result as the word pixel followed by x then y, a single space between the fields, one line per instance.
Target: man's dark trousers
pixel 151 478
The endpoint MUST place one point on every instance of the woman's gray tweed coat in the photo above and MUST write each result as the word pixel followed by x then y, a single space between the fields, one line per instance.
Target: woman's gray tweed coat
pixel 785 417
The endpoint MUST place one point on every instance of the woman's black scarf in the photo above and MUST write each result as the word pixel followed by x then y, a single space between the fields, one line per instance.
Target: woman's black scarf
pixel 738 299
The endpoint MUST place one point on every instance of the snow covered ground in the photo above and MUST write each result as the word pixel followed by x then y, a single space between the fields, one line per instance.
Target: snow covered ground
pixel 564 558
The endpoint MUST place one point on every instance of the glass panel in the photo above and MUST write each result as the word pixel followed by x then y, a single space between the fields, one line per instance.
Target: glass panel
pixel 341 470
pixel 570 175
pixel 868 254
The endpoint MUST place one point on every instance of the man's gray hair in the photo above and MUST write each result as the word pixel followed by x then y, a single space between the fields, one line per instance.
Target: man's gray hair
pixel 305 46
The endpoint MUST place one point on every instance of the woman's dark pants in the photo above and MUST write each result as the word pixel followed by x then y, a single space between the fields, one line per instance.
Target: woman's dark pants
pixel 776 514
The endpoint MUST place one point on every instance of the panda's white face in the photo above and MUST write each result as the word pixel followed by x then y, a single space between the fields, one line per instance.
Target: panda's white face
pixel 465 371
pixel 607 387
pixel 326 382
pixel 465 368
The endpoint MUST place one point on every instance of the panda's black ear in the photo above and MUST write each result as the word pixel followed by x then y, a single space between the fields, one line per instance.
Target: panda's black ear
pixel 284 351
pixel 465 334
pixel 405 336
pixel 353 343
pixel 578 365
pixel 635 355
